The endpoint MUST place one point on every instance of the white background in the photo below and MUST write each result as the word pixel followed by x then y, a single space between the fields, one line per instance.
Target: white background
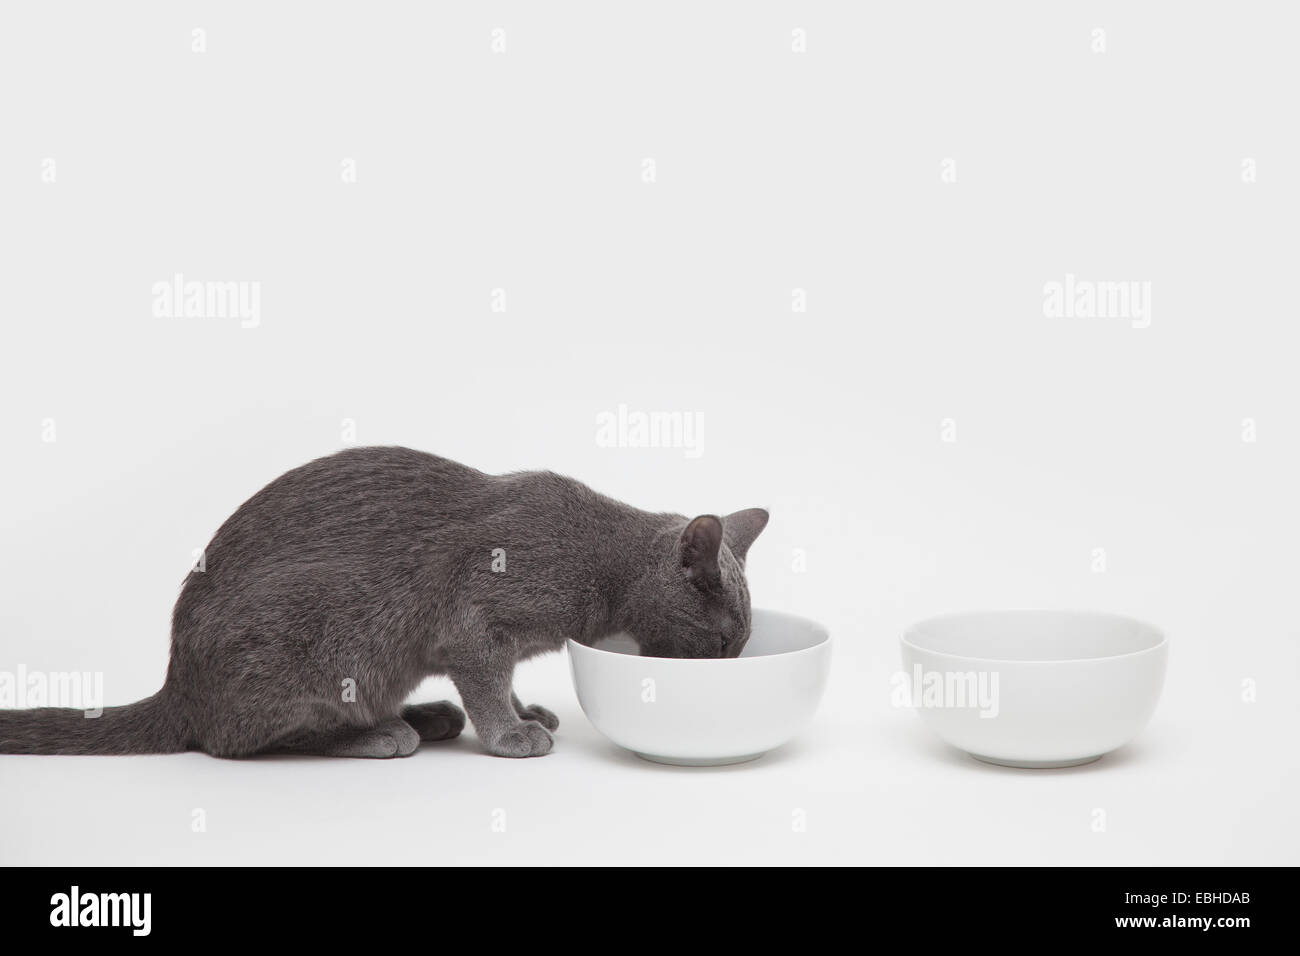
pixel 775 171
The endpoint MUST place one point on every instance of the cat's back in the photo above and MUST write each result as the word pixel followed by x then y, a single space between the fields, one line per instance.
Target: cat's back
pixel 388 502
pixel 377 475
pixel 352 498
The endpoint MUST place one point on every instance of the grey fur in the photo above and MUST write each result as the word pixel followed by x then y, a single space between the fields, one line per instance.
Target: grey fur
pixel 376 566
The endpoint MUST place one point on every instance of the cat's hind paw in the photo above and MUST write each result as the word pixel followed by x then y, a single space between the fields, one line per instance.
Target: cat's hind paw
pixel 440 720
pixel 393 738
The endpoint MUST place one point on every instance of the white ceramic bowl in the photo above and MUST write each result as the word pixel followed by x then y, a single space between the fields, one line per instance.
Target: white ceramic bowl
pixel 703 713
pixel 1066 686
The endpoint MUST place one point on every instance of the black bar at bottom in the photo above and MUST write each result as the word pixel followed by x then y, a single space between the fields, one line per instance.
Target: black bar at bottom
pixel 93 905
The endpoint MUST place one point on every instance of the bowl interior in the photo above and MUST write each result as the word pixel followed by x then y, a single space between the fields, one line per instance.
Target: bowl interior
pixel 774 632
pixel 1034 635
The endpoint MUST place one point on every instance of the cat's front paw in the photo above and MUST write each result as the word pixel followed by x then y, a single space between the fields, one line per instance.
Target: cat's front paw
pixel 540 714
pixel 527 739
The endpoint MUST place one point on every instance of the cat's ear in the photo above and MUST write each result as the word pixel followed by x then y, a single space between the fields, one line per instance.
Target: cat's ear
pixel 741 528
pixel 700 544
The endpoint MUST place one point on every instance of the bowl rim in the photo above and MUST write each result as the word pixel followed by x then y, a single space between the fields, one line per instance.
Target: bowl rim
pixel 1163 643
pixel 822 644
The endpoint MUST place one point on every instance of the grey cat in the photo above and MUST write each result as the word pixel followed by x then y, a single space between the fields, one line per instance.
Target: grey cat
pixel 340 586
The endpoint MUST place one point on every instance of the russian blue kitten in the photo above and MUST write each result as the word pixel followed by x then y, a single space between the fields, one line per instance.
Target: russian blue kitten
pixel 336 589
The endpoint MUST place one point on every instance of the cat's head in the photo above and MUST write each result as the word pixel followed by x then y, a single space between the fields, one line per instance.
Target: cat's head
pixel 694 602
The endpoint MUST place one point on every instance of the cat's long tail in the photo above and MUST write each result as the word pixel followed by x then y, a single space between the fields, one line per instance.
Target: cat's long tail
pixel 149 726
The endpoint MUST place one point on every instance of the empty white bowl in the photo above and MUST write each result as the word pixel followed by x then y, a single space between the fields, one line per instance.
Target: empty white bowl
pixel 1035 688
pixel 703 713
